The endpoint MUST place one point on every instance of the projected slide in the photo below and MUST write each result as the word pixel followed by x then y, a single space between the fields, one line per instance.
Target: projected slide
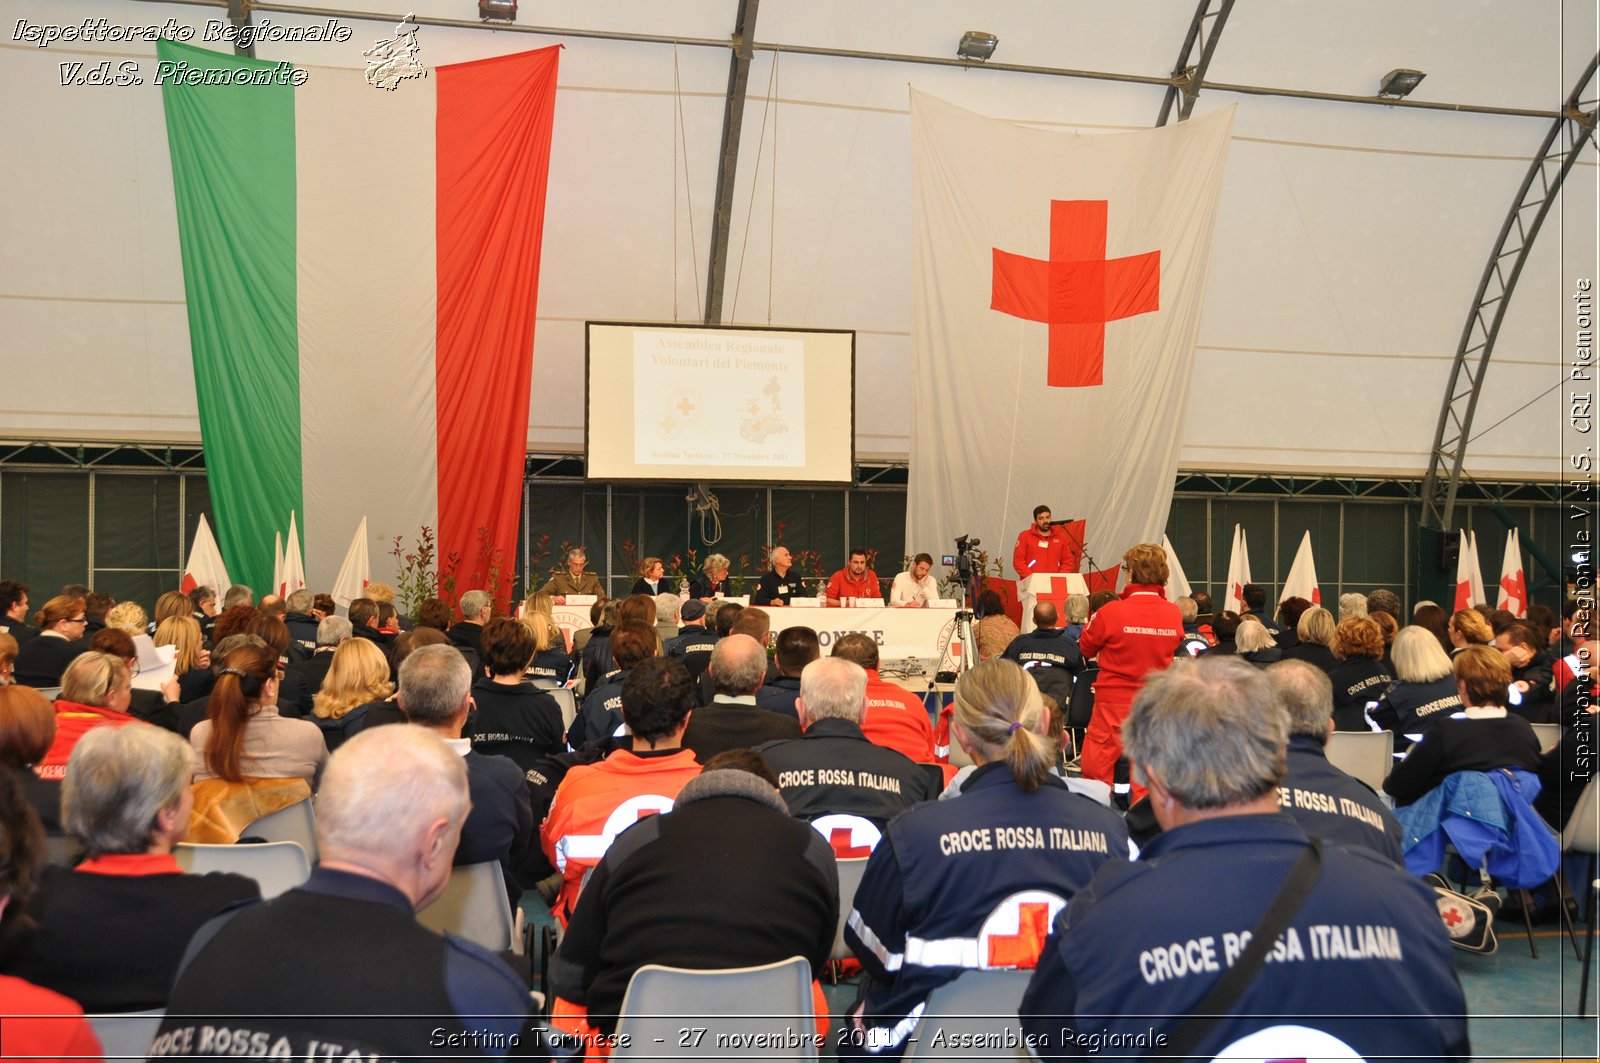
pixel 720 403
pixel 699 374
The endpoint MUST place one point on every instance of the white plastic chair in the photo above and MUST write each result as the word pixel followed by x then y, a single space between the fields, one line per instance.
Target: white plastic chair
pixel 277 867
pixel 569 706
pixel 474 905
pixel 1366 755
pixel 1549 735
pixel 673 1013
pixel 976 1003
pixel 126 1035
pixel 850 872
pixel 1582 835
pixel 296 823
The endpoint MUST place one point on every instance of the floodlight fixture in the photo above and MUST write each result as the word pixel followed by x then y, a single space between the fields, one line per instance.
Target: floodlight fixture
pixel 497 10
pixel 1401 82
pixel 976 45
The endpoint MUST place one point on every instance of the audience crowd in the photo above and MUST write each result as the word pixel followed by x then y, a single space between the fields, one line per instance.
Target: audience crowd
pixel 683 787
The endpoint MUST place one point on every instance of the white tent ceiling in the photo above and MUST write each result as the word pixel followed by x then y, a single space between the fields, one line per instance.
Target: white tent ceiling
pixel 1350 241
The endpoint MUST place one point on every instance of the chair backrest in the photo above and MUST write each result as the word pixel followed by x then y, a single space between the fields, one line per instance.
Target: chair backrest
pixel 126 1035
pixel 732 1011
pixel 569 706
pixel 850 872
pixel 63 850
pixel 297 823
pixel 473 905
pixel 1549 735
pixel 1366 755
pixel 277 867
pixel 1582 833
pixel 976 1003
pixel 1080 707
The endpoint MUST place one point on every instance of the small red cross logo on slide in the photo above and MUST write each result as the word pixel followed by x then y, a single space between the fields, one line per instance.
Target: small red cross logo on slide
pixel 686 407
pixel 1076 290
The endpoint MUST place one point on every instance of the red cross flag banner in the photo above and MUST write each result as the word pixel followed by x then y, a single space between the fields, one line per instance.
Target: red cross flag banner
pixel 1302 579
pixel 1513 596
pixel 1058 285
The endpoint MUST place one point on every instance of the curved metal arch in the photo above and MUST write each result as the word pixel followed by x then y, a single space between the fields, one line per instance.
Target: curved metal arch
pixel 1535 197
pixel 1190 73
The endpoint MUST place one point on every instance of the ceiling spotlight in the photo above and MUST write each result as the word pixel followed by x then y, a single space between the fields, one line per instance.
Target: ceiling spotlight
pixel 497 10
pixel 1397 83
pixel 976 45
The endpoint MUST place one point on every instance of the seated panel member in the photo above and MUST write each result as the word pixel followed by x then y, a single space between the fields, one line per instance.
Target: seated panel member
pixel 832 769
pixel 776 588
pixel 652 578
pixel 1364 968
pixel 574 579
pixel 712 581
pixel 915 588
pixel 972 883
pixel 855 580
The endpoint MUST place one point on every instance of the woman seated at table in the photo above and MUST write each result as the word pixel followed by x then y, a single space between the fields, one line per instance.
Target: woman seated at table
pixel 112 930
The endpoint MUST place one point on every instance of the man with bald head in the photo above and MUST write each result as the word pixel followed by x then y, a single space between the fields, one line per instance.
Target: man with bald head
pixel 369 979
pixel 733 720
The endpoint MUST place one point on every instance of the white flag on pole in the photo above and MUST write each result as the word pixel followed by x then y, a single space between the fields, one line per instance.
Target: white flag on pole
pixel 1302 581
pixel 1177 582
pixel 204 567
pixel 354 573
pixel 277 562
pixel 1479 595
pixel 1513 596
pixel 1238 572
pixel 294 569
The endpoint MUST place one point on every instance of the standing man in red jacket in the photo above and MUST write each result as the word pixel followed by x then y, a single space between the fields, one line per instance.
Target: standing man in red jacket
pixel 1132 637
pixel 1044 547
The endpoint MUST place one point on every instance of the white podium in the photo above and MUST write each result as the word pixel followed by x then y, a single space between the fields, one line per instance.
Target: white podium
pixel 1048 587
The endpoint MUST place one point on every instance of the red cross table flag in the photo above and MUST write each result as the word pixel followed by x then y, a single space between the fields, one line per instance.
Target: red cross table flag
pixel 1057 286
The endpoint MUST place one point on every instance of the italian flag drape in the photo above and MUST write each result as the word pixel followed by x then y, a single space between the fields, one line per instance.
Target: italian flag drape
pixel 361 269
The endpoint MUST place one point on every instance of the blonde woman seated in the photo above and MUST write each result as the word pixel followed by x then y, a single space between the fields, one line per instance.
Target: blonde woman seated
pixel 1424 691
pixel 551 661
pixel 934 881
pixel 96 691
pixel 1254 643
pixel 1315 631
pixel 357 678
pixel 1468 628
pixel 193 662
pixel 112 931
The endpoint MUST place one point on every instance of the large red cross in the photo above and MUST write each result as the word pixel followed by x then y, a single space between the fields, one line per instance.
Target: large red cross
pixel 1076 290
pixel 1022 949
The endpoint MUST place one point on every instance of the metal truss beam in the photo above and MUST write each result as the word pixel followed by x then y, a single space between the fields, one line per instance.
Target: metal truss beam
pixel 48 455
pixel 1365 488
pixel 1517 233
pixel 728 160
pixel 1190 73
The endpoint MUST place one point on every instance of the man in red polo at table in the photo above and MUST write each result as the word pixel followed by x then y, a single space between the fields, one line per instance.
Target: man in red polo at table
pixel 1131 637
pixel 855 580
pixel 1043 547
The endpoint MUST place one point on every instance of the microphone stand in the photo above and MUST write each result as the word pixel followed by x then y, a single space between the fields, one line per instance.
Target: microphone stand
pixel 1083 549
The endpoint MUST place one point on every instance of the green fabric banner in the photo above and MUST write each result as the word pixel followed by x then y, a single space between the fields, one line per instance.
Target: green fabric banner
pixel 233 173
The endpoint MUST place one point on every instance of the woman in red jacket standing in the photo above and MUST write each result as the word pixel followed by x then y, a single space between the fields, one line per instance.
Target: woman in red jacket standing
pixel 1131 637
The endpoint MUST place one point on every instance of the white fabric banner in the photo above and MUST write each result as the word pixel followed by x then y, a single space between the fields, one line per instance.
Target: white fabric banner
pixel 1057 289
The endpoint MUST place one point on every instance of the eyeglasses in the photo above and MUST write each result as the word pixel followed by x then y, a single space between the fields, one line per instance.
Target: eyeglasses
pixel 78 620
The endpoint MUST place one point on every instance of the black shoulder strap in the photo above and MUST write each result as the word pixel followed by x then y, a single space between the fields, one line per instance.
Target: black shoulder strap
pixel 1225 992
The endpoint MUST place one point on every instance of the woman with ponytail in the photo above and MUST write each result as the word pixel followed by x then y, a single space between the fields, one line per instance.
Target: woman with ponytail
pixel 974 883
pixel 243 737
